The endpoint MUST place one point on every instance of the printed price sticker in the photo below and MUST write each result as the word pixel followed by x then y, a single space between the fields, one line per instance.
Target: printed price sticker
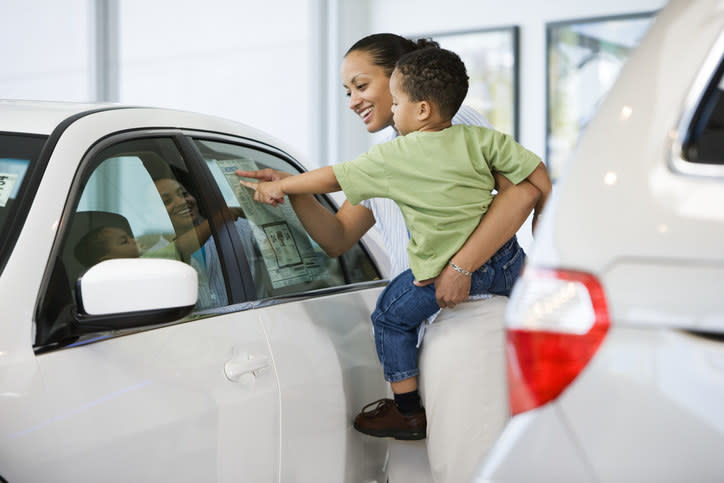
pixel 7 182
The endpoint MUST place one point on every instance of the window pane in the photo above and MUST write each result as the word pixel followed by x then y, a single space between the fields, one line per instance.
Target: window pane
pixel 17 154
pixel 135 203
pixel 706 144
pixel 290 259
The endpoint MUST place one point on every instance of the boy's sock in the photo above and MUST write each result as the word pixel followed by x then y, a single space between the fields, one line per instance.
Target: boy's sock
pixel 408 402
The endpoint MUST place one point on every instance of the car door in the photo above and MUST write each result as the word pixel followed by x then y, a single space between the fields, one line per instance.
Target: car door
pixel 315 311
pixel 193 400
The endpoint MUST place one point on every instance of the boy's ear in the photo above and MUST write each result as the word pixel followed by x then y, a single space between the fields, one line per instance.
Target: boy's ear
pixel 424 110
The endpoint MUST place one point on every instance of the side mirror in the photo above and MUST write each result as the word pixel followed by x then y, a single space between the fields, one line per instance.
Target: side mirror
pixel 125 293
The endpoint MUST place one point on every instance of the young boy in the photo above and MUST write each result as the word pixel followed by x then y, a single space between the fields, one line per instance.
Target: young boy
pixel 105 243
pixel 441 177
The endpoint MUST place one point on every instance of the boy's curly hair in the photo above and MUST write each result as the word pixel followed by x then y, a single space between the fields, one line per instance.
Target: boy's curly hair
pixel 435 75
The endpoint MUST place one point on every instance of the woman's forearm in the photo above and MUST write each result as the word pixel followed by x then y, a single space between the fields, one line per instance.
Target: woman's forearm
pixel 334 233
pixel 192 240
pixel 506 214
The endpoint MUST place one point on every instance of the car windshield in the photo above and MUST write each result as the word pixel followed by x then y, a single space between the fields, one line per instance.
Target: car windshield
pixel 17 153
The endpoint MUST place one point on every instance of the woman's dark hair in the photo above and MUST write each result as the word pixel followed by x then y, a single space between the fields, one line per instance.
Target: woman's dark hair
pixel 386 49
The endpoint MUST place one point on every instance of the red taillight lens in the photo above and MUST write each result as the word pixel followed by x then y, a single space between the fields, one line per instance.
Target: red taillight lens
pixel 555 322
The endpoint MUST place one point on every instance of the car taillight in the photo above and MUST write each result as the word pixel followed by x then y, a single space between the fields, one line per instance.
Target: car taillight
pixel 555 322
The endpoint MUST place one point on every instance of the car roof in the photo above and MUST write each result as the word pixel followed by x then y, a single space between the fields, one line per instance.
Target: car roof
pixel 40 117
pixel 43 117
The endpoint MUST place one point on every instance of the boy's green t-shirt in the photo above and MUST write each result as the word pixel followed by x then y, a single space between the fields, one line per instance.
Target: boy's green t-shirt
pixel 442 182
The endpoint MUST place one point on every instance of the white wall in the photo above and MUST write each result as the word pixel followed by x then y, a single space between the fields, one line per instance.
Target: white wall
pixel 246 61
pixel 249 61
pixel 45 50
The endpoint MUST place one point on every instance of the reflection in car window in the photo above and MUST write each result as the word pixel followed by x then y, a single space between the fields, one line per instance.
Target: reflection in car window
pixel 290 260
pixel 135 201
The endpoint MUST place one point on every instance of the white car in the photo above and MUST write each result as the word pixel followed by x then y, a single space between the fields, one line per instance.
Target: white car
pixel 134 349
pixel 615 332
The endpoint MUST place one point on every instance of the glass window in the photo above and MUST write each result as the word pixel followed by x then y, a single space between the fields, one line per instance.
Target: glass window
pixel 136 200
pixel 288 259
pixel 706 134
pixel 17 153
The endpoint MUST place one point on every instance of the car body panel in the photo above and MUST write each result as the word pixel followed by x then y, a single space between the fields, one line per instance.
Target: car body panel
pixel 652 421
pixel 546 439
pixel 157 400
pixel 647 406
pixel 318 439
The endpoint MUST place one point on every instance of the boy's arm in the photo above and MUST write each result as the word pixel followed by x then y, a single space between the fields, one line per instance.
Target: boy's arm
pixel 320 180
pixel 540 179
pixel 335 233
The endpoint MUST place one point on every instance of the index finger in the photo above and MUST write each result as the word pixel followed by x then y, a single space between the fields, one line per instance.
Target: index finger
pixel 249 184
pixel 250 174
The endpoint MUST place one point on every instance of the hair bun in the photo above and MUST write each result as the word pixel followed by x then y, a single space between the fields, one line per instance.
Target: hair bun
pixel 426 43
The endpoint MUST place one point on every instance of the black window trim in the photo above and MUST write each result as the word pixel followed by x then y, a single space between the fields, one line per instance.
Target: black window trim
pixel 239 282
pixel 706 79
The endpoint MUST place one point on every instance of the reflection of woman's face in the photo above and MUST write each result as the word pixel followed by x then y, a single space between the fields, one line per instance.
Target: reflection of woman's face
pixel 180 205
pixel 368 89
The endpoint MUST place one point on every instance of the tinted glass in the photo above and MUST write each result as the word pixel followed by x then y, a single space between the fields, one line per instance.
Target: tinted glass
pixel 136 199
pixel 289 260
pixel 706 134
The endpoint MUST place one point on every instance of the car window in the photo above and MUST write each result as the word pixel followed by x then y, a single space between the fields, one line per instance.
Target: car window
pixel 705 139
pixel 289 260
pixel 18 152
pixel 136 199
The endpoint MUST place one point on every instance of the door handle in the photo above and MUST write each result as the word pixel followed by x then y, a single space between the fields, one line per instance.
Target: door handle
pixel 244 363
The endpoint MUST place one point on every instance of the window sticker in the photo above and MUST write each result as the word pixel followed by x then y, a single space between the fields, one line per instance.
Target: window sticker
pixel 7 183
pixel 287 251
pixel 12 172
pixel 283 244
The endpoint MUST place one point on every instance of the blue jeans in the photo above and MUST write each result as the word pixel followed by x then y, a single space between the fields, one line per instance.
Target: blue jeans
pixel 403 306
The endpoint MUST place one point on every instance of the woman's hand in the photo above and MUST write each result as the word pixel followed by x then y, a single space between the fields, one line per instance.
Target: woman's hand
pixel 451 287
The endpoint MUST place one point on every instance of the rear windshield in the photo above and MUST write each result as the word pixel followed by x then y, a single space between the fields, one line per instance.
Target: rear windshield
pixel 18 152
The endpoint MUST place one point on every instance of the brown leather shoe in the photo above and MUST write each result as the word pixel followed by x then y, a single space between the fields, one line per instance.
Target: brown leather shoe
pixel 385 420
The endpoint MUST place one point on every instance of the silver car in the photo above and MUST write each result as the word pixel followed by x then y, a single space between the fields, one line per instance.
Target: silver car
pixel 615 333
